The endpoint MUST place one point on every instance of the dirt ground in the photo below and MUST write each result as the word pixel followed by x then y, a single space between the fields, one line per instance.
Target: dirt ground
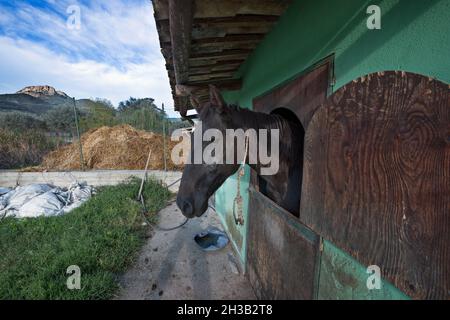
pixel 172 266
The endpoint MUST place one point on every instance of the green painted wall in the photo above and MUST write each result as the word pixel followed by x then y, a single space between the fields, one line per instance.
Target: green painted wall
pixel 414 37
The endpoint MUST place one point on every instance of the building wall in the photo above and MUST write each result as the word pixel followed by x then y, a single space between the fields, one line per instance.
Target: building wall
pixel 96 178
pixel 414 37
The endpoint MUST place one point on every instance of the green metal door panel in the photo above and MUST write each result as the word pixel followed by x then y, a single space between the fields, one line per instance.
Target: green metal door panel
pixel 343 278
pixel 224 199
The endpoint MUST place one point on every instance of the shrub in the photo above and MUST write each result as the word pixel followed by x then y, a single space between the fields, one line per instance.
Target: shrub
pixel 25 148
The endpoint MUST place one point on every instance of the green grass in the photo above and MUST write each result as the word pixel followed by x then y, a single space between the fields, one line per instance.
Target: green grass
pixel 102 237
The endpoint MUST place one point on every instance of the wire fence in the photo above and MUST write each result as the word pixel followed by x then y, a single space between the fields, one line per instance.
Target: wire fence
pixel 26 145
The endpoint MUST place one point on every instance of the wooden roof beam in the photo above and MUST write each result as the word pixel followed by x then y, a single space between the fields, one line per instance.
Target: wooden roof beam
pixel 246 18
pixel 229 84
pixel 206 71
pixel 208 64
pixel 212 77
pixel 181 15
pixel 225 54
pixel 229 38
pixel 231 8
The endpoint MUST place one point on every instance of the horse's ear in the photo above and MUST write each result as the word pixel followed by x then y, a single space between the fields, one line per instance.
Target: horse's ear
pixel 191 92
pixel 215 97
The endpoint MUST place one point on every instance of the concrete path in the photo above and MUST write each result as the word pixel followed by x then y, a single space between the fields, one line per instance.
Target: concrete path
pixel 172 266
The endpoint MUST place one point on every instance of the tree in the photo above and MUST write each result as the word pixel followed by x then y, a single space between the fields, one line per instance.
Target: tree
pixel 133 103
pixel 60 119
pixel 107 103
pixel 16 121
pixel 141 114
pixel 98 113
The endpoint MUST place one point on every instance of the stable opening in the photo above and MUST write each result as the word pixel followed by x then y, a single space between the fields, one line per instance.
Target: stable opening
pixel 296 100
pixel 292 203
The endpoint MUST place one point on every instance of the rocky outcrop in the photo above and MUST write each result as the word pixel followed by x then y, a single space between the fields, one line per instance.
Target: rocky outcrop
pixel 40 91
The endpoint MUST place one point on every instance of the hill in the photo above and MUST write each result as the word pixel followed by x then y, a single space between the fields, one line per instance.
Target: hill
pixel 34 100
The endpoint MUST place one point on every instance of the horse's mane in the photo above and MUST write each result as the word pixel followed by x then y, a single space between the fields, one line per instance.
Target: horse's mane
pixel 289 129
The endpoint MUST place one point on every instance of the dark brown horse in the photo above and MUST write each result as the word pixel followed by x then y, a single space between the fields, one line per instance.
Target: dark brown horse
pixel 200 181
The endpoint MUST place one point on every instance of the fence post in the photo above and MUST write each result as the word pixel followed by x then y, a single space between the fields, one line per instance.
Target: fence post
pixel 164 138
pixel 78 134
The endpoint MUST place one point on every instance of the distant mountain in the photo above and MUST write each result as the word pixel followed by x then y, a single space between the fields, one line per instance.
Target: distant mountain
pixel 42 91
pixel 34 100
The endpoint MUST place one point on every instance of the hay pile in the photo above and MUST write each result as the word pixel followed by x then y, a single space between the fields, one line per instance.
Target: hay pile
pixel 119 147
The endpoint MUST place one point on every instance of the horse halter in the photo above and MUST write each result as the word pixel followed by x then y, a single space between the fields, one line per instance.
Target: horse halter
pixel 238 202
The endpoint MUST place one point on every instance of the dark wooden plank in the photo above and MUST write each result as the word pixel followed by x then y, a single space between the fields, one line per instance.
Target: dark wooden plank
pixel 194 64
pixel 231 84
pixel 237 19
pixel 313 179
pixel 230 38
pixel 302 95
pixel 161 9
pixel 163 28
pixel 230 8
pixel 211 76
pixel 218 47
pixel 180 16
pixel 211 30
pixel 225 54
pixel 380 150
pixel 282 255
pixel 220 69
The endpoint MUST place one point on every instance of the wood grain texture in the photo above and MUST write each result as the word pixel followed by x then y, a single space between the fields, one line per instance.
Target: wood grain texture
pixel 180 19
pixel 302 95
pixel 230 8
pixel 377 178
pixel 246 24
pixel 282 260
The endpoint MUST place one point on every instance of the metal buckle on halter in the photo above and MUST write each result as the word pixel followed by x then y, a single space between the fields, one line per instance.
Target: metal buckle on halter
pixel 239 220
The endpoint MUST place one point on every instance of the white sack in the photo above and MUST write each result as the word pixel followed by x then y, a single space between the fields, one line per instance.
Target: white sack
pixel 46 204
pixel 43 200
pixel 4 191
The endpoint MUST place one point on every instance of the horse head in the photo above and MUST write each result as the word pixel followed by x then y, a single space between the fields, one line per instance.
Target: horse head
pixel 200 179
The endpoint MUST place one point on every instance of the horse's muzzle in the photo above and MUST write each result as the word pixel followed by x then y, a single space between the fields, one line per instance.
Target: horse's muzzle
pixel 186 207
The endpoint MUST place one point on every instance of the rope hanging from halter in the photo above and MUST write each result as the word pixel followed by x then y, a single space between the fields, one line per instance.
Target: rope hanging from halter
pixel 238 202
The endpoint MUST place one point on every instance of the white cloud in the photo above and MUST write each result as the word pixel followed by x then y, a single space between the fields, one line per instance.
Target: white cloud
pixel 24 63
pixel 115 55
pixel 114 31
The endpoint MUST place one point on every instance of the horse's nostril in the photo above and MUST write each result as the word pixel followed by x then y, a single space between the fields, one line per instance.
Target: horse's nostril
pixel 188 210
pixel 186 207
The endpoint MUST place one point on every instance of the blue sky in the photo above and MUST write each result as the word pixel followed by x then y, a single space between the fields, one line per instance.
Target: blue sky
pixel 112 51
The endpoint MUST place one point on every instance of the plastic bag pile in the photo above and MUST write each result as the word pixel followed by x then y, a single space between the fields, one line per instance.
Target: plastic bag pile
pixel 37 200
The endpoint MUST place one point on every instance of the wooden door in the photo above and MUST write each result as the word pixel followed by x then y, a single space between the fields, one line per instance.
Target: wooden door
pixel 282 254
